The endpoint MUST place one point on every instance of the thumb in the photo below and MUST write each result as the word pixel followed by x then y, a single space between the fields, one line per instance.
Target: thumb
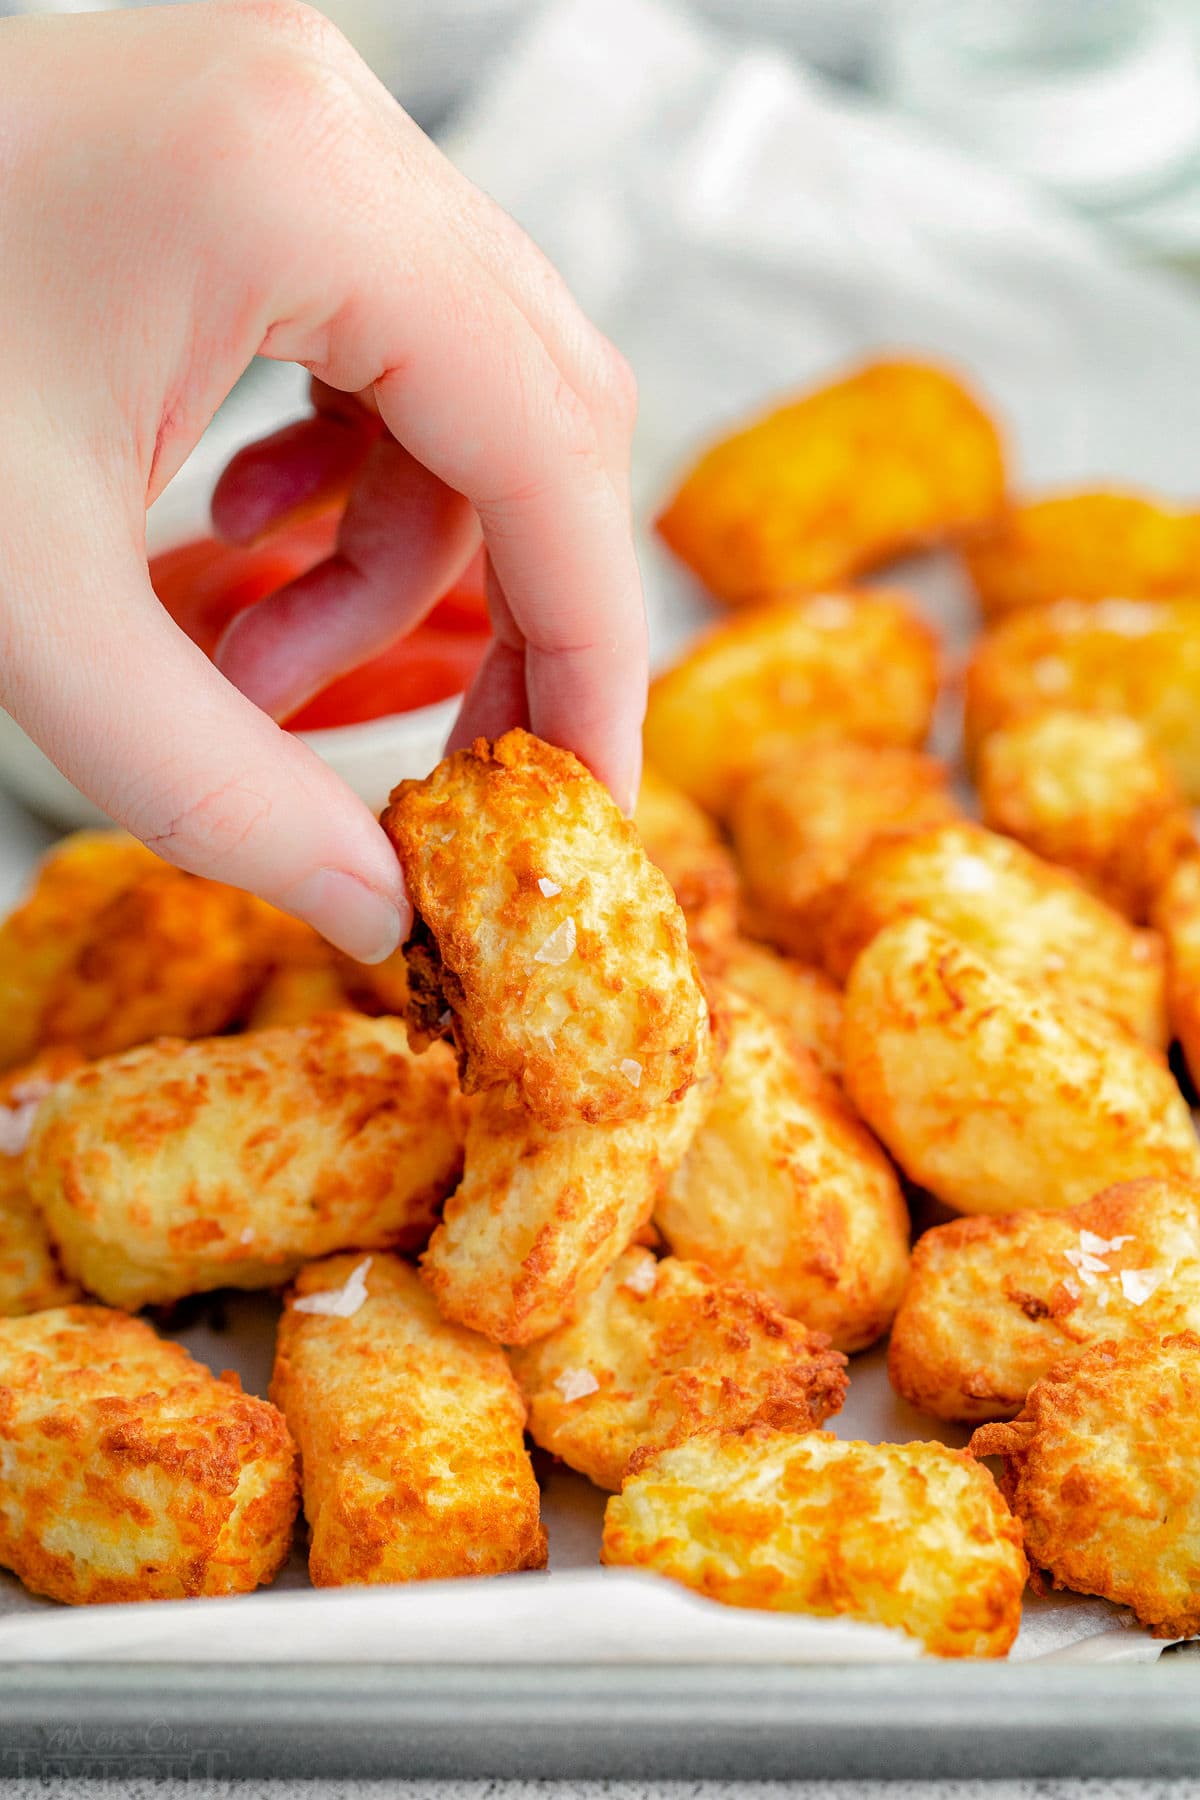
pixel 139 719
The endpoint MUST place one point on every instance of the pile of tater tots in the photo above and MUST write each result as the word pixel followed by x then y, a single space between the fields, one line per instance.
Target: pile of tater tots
pixel 620 1154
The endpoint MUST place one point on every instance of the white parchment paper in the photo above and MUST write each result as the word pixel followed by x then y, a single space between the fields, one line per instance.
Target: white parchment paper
pixel 738 230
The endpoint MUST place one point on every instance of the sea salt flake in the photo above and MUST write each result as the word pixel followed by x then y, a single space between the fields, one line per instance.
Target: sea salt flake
pixel 1084 1263
pixel 247 1236
pixel 1073 1288
pixel 1137 1285
pixel 576 1384
pixel 1098 1246
pixel 642 1279
pixel 16 1123
pixel 549 888
pixel 559 947
pixel 631 1069
pixel 970 875
pixel 343 1302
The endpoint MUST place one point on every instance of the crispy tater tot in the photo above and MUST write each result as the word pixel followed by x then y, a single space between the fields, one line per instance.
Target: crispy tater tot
pixel 541 1214
pixel 1031 920
pixel 684 843
pixel 995 1096
pixel 663 1350
pixel 411 1432
pixel 892 457
pixel 113 946
pixel 800 824
pixel 1176 913
pixel 1102 1469
pixel 548 945
pixel 1140 658
pixel 30 1277
pixel 992 1304
pixel 180 1167
pixel 131 1472
pixel 856 665
pixel 1092 792
pixel 914 1536
pixel 784 1190
pixel 1086 546
pixel 800 997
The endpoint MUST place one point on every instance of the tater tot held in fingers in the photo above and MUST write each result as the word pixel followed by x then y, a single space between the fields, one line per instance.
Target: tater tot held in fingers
pixel 1102 1468
pixel 994 1095
pixel 851 665
pixel 893 457
pixel 1030 920
pixel 662 1350
pixel 131 1472
pixel 784 1190
pixel 411 1432
pixel 549 947
pixel 178 1167
pixel 914 1536
pixel 993 1304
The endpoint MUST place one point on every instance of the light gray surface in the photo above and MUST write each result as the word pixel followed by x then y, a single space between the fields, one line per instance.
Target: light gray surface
pixel 151 1788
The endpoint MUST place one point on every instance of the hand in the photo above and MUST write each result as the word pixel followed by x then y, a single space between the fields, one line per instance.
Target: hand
pixel 180 189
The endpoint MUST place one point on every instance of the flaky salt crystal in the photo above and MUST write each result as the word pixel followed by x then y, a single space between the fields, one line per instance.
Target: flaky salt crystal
pixel 559 947
pixel 642 1279
pixel 549 888
pixel 16 1123
pixel 247 1236
pixel 1137 1285
pixel 576 1384
pixel 1085 1263
pixel 1098 1246
pixel 343 1302
pixel 631 1069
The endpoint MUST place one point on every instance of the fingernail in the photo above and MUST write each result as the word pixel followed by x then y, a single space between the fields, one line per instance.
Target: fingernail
pixel 351 915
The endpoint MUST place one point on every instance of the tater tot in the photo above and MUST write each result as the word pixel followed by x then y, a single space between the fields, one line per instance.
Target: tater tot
pixel 227 1163
pixel 411 1432
pixel 912 1536
pixel 783 1190
pixel 1103 1471
pixel 1032 921
pixel 113 946
pixel 1140 658
pixel 859 665
pixel 30 1276
pixel 993 1304
pixel 1093 793
pixel 798 996
pixel 541 1213
pixel 662 1350
pixel 801 823
pixel 684 843
pixel 1176 913
pixel 892 457
pixel 995 1096
pixel 549 947
pixel 1087 546
pixel 296 992
pixel 131 1472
